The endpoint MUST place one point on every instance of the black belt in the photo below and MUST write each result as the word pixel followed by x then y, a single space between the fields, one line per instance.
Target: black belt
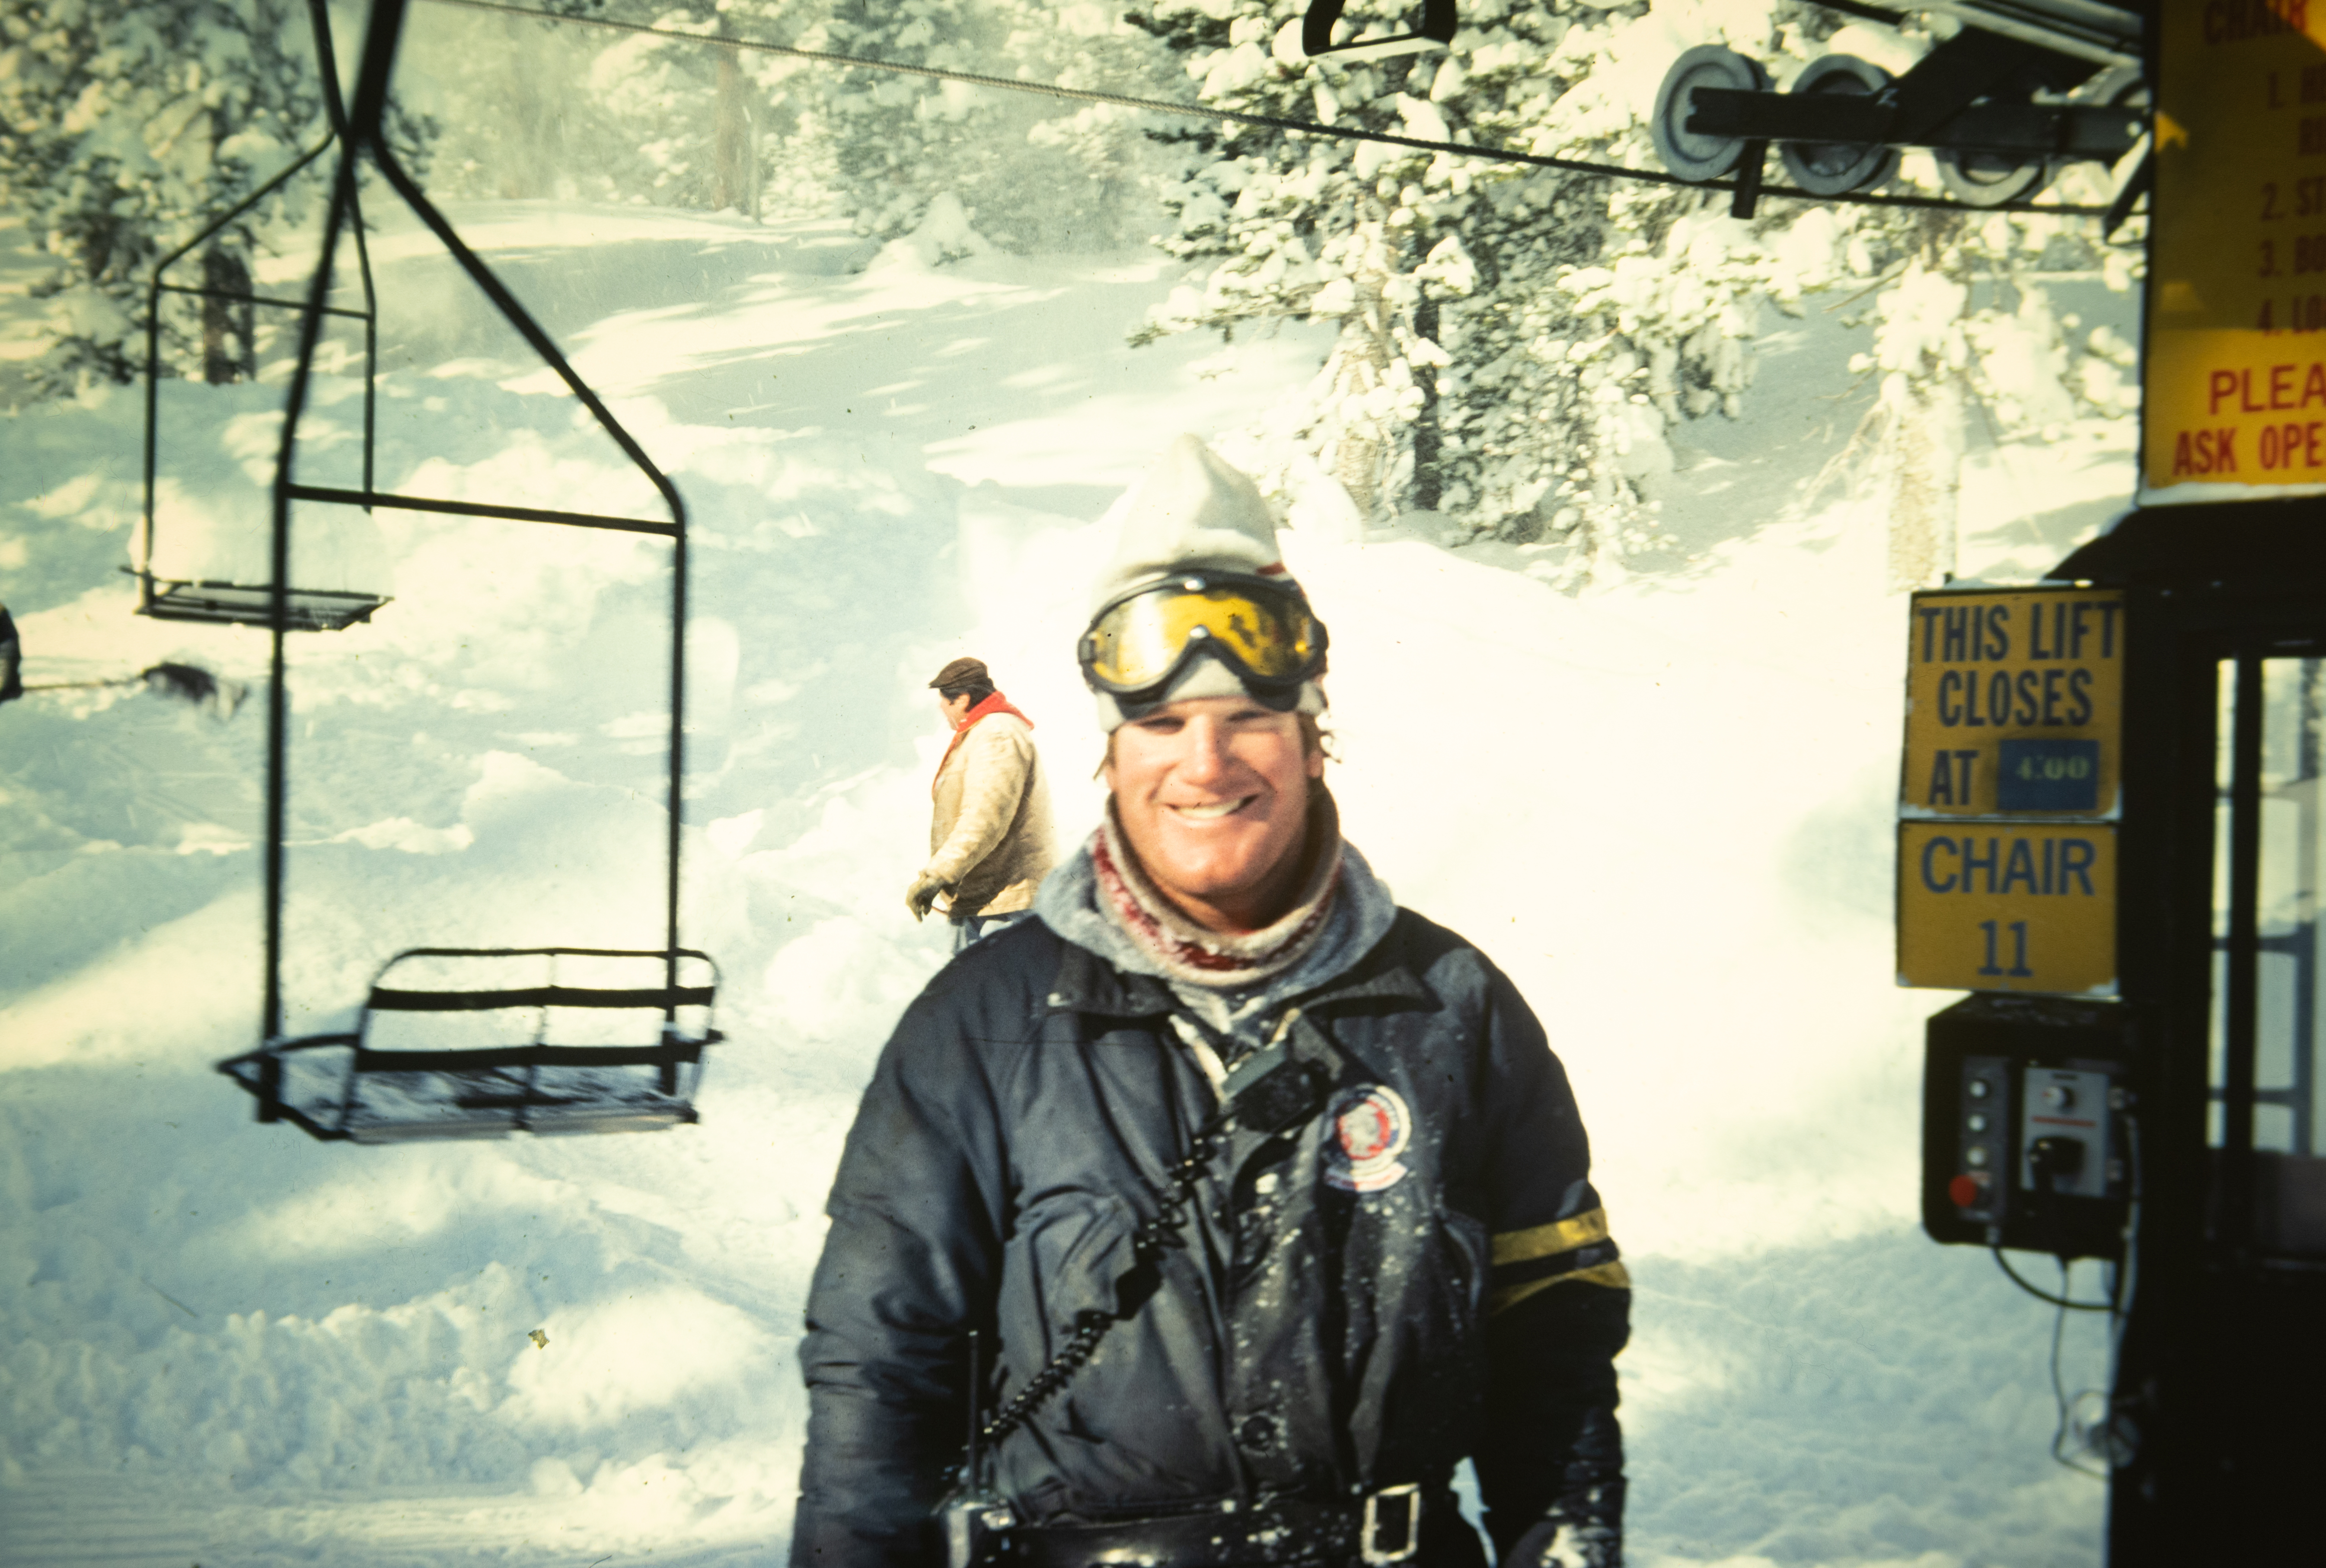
pixel 1384 1527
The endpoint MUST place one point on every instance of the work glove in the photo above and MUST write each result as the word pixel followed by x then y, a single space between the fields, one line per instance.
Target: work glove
pixel 1568 1543
pixel 922 896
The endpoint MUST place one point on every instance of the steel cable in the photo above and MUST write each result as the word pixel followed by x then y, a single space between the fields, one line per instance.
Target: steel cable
pixel 1272 122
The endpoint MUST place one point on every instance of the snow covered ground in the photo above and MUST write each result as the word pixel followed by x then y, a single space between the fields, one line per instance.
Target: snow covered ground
pixel 1664 808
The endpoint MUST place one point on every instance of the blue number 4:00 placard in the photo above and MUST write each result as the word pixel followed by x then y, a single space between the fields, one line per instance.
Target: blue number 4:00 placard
pixel 2048 776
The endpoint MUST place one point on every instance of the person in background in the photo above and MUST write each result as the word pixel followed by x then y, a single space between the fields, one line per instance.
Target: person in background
pixel 1259 1203
pixel 990 843
pixel 12 659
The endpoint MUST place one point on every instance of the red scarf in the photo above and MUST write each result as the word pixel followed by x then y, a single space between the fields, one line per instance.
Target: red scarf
pixel 996 703
pixel 1204 958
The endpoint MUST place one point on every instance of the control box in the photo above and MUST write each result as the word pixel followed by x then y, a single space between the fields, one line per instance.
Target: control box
pixel 2026 1108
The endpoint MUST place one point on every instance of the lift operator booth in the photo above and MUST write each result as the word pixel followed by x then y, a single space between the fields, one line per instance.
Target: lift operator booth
pixel 2110 832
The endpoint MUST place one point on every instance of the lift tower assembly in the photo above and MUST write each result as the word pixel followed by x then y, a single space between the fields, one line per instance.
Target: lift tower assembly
pixel 2112 832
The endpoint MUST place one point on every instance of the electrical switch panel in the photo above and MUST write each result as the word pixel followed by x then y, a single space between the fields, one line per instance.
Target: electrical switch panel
pixel 2026 1107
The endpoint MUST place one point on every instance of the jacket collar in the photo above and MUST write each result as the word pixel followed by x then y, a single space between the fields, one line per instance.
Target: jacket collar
pixel 1382 975
pixel 987 709
pixel 1087 983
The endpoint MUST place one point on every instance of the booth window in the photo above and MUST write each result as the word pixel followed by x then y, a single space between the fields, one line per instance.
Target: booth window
pixel 2267 1110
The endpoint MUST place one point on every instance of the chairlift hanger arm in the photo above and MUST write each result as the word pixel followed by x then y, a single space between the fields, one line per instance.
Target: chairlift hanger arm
pixel 480 509
pixel 1439 24
pixel 212 229
pixel 366 128
pixel 360 131
pixel 370 104
pixel 240 298
pixel 519 317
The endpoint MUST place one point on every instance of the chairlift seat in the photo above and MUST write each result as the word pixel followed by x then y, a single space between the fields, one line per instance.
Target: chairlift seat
pixel 470 1048
pixel 306 609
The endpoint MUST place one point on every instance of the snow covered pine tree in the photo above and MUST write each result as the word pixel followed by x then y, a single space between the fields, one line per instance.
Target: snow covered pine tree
pixel 1515 344
pixel 1029 172
pixel 679 121
pixel 122 124
pixel 1464 380
pixel 124 127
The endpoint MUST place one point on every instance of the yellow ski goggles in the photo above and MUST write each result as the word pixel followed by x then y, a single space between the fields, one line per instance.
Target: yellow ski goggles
pixel 1138 641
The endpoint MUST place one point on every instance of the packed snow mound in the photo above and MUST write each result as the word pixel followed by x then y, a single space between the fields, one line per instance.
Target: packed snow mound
pixel 943 235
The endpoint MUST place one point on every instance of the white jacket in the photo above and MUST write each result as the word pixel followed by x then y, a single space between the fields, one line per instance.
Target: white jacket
pixel 990 832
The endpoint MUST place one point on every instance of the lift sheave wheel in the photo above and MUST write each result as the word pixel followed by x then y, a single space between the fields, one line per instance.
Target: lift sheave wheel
pixel 2026 87
pixel 1831 168
pixel 1978 179
pixel 473 1043
pixel 1694 154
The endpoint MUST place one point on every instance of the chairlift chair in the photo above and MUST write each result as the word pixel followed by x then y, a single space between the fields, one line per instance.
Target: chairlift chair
pixel 454 1042
pixel 540 1055
pixel 225 601
pixel 2026 87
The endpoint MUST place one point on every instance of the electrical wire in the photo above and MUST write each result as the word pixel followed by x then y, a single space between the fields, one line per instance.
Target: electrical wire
pixel 2113 1444
pixel 2127 1276
pixel 1307 127
pixel 2058 1385
pixel 2040 1294
pixel 2122 1434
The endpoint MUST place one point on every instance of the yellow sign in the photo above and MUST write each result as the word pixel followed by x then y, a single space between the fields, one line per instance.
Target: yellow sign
pixel 2235 388
pixel 2014 704
pixel 2007 906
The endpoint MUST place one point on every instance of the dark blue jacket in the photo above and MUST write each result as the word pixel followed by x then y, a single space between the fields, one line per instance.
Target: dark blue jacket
pixel 1417 1270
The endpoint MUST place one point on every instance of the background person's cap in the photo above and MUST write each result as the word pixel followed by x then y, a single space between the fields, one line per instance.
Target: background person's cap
pixel 961 673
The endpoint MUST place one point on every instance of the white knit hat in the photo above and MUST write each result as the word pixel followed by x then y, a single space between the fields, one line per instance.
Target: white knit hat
pixel 1189 511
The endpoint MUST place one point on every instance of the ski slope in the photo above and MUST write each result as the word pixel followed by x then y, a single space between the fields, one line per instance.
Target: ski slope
pixel 1662 806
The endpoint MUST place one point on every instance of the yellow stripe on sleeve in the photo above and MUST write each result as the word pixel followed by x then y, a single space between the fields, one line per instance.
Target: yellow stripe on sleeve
pixel 1614 1276
pixel 1558 1236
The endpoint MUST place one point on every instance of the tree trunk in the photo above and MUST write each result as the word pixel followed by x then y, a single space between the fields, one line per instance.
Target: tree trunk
pixel 1359 366
pixel 1427 440
pixel 734 156
pixel 228 354
pixel 1925 452
pixel 528 161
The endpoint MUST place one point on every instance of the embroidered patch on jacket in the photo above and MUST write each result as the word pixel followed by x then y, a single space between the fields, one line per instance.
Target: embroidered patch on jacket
pixel 1370 1127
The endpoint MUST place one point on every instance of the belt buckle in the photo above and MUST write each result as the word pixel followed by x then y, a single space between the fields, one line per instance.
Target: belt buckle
pixel 1369 1539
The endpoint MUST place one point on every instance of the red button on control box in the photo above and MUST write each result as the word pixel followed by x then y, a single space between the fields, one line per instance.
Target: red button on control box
pixel 1966 1191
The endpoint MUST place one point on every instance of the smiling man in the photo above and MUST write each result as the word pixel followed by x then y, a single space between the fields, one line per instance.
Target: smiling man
pixel 1265 1201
